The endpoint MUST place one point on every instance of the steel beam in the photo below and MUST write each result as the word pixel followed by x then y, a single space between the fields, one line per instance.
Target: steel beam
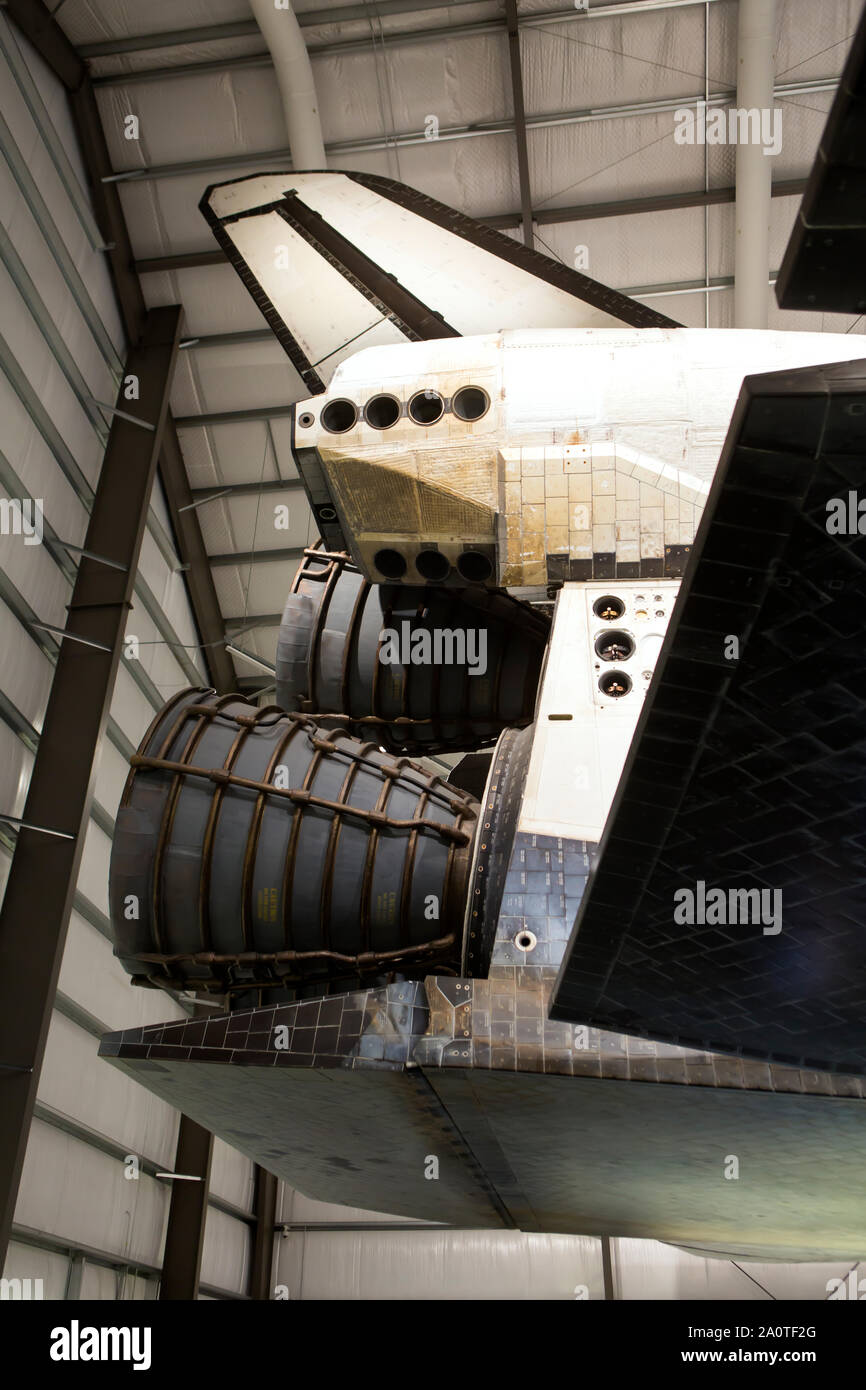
pixel 234 417
pixel 257 160
pixel 324 1228
pixel 255 557
pixel 247 28
pixel 607 1268
pixel 43 31
pixel 59 1245
pixel 193 553
pixel 261 1266
pixel 406 311
pixel 41 886
pixel 630 207
pixel 193 260
pixel 549 217
pixel 702 286
pixel 38 25
pixel 184 1236
pixel 254 685
pixel 393 38
pixel 185 524
pixel 511 21
pixel 174 38
pixel 255 620
pixel 231 490
pixel 250 335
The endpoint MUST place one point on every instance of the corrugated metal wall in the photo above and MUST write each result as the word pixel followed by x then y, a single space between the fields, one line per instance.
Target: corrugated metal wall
pixel 61 348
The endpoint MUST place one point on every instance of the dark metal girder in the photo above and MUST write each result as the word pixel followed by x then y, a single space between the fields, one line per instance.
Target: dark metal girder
pixel 183 1265
pixel 231 490
pixel 257 160
pixel 249 335
pixel 39 26
pixel 185 524
pixel 261 1266
pixel 254 685
pixel 516 71
pixel 324 1228
pixel 254 620
pixel 105 1259
pixel 193 554
pixel 234 417
pixel 170 38
pixel 543 217
pixel 211 33
pixel 255 557
pixel 629 207
pixel 338 48
pixel 247 28
pixel 607 1268
pixel 406 310
pixel 41 886
pixel 184 1236
pixel 191 260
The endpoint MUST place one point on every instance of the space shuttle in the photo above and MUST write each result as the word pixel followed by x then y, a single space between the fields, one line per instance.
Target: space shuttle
pixel 549 859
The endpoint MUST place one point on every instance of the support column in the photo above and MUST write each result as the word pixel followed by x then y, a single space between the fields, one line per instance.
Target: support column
pixel 35 913
pixel 607 1268
pixel 184 1236
pixel 756 61
pixel 511 21
pixel 263 1237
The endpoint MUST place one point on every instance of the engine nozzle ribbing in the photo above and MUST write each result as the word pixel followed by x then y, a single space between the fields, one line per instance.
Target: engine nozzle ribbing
pixel 255 847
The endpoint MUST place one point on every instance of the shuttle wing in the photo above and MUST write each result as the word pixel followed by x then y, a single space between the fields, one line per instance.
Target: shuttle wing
pixel 726 908
pixel 825 263
pixel 341 261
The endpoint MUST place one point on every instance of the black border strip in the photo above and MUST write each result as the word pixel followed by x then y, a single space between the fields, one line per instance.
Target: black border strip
pixel 288 342
pixel 562 277
pixel 411 315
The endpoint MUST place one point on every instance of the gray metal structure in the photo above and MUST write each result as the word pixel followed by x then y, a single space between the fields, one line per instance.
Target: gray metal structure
pixel 50 842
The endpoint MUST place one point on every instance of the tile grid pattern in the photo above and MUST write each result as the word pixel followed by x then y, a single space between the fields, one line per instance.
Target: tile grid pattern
pixel 588 511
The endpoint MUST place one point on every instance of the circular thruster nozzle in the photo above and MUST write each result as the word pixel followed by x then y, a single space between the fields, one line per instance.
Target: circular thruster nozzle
pixel 615 684
pixel 608 608
pixel 426 407
pixel 614 646
pixel 339 416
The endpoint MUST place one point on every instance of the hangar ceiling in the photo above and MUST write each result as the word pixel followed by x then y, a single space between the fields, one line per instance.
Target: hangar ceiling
pixel 425 95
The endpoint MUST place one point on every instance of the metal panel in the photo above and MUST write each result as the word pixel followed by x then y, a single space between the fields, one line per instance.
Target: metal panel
pixel 49 39
pixel 44 868
pixel 512 21
pixel 263 1240
pixel 185 523
pixel 545 217
pixel 184 1237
